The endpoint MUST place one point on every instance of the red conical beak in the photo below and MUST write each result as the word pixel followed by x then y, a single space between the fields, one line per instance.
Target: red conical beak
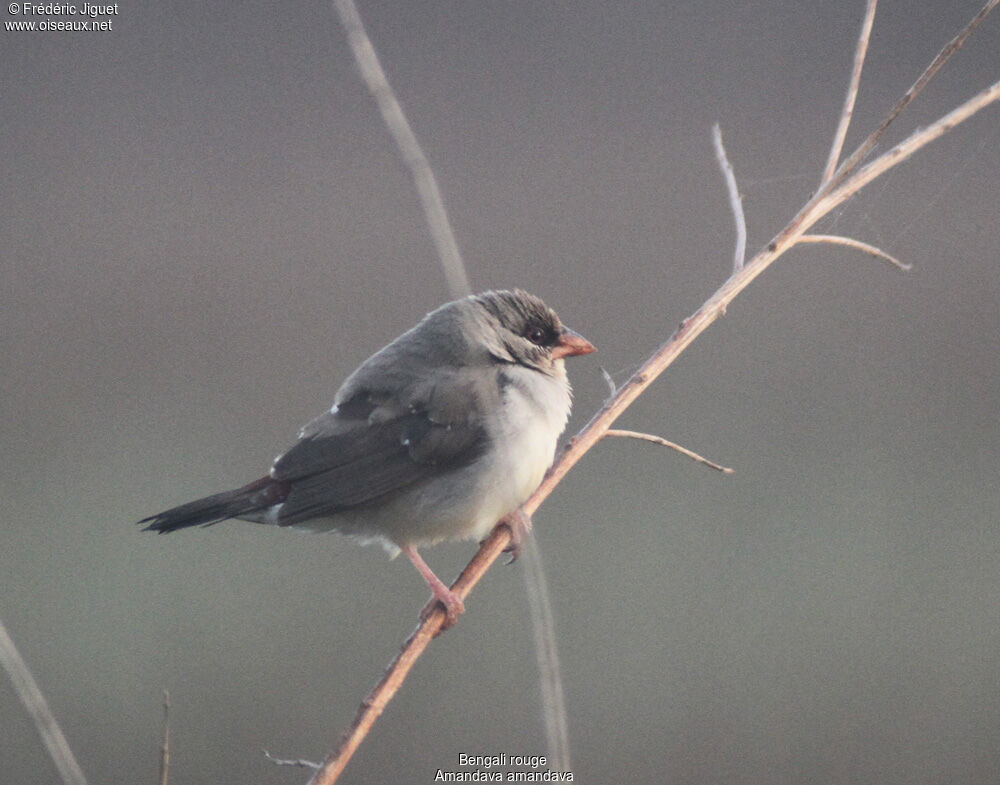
pixel 570 344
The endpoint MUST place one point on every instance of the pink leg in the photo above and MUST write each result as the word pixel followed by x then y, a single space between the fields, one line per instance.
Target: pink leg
pixel 452 603
pixel 520 526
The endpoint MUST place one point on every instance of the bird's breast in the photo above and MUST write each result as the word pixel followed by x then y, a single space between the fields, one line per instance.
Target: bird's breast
pixel 534 410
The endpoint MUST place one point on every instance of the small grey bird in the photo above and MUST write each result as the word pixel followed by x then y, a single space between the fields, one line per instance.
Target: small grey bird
pixel 437 436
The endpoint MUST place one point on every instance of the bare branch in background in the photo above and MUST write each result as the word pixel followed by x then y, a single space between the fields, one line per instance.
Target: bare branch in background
pixel 542 620
pixel 547 657
pixel 165 744
pixel 409 147
pixel 38 709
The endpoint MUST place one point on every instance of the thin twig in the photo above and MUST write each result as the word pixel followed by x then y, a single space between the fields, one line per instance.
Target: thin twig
pixel 648 437
pixel 165 744
pixel 858 245
pixel 838 190
pixel 300 763
pixel 38 709
pixel 409 147
pixel 942 57
pixel 735 202
pixel 860 51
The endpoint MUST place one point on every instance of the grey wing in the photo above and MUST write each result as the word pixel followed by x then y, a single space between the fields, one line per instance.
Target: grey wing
pixel 374 444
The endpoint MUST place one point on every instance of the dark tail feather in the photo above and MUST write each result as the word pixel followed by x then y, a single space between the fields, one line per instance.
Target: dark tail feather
pixel 255 497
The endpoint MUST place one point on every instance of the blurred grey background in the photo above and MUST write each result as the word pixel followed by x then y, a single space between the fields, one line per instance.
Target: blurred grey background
pixel 206 227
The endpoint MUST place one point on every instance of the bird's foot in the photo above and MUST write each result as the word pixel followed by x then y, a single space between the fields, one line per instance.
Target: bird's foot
pixel 519 523
pixel 452 603
pixel 453 607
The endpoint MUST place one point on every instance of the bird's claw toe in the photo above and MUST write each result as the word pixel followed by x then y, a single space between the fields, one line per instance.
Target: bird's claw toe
pixel 519 524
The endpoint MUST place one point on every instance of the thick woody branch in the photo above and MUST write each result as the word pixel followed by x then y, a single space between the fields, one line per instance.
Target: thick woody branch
pixel 689 329
pixel 844 184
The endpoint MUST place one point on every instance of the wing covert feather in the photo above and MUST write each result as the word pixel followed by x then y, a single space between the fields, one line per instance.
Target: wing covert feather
pixel 373 443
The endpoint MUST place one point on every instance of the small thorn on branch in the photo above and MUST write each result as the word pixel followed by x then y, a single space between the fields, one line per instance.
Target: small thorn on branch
pixel 297 762
pixel 834 239
pixel 648 437
pixel 612 387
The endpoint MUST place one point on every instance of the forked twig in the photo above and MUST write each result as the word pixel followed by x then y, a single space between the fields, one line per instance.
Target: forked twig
pixel 838 189
pixel 936 64
pixel 693 326
pixel 909 146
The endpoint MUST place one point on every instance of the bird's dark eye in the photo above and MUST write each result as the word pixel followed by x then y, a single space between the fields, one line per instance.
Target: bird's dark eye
pixel 536 335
